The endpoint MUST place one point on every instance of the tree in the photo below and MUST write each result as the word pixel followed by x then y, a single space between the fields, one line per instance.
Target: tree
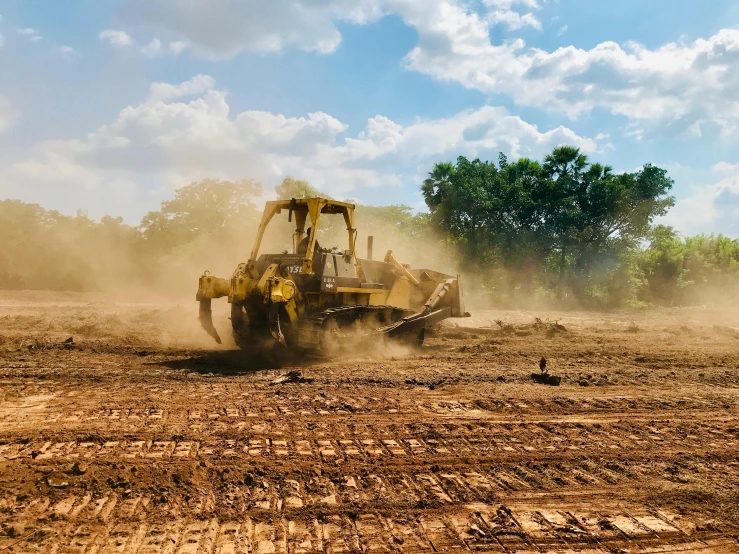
pixel 520 215
pixel 661 266
pixel 700 269
pixel 204 208
pixel 295 188
pixel 597 215
pixel 398 219
pixel 457 197
pixel 437 192
pixel 45 249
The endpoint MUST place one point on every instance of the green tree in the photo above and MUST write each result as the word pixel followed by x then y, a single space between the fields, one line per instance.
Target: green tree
pixel 458 199
pixel 295 188
pixel 520 215
pixel 208 207
pixel 596 215
pixel 661 266
pixel 711 269
pixel 438 193
pixel 398 219
pixel 700 269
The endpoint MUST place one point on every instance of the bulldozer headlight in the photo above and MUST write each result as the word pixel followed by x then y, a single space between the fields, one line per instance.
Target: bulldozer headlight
pixel 282 291
pixel 288 290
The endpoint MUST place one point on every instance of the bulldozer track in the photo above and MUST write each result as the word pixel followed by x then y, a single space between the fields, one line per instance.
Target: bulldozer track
pixel 312 326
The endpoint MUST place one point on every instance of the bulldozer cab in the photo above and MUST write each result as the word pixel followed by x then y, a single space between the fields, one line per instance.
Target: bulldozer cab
pixel 307 213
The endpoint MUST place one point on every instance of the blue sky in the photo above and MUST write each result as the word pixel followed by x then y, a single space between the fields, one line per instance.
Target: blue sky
pixel 109 106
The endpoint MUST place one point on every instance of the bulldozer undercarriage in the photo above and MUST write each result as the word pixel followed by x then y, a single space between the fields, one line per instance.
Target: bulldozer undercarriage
pixel 326 301
pixel 325 333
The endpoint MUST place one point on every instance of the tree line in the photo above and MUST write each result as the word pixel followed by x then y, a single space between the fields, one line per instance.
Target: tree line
pixel 563 229
pixel 574 231
pixel 209 224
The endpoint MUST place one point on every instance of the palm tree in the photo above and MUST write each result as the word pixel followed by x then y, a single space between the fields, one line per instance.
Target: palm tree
pixel 435 191
pixel 434 188
pixel 565 161
pixel 565 166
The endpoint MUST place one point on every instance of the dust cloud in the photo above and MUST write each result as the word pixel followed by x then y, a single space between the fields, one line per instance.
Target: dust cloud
pixel 109 285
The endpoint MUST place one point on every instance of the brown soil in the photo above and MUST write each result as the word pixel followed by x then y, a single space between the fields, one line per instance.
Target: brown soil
pixel 141 436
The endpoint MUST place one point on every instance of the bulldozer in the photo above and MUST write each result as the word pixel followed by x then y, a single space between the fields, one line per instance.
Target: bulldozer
pixel 325 300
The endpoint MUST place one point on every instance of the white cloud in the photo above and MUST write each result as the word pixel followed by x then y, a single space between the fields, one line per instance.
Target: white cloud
pixel 709 208
pixel 695 213
pixel 153 48
pixel 513 20
pixel 29 32
pixel 116 38
pixel 725 167
pixel 167 140
pixel 8 114
pixel 177 46
pixel 681 88
pixel 2 40
pixel 223 29
pixel 167 91
pixel 66 52
pixel 562 30
pixel 503 12
pixel 54 168
pixel 508 4
pixel 482 132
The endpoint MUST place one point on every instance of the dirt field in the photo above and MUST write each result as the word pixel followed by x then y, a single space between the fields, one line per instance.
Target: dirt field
pixel 142 436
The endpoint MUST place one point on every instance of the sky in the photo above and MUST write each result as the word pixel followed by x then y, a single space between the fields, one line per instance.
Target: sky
pixel 110 106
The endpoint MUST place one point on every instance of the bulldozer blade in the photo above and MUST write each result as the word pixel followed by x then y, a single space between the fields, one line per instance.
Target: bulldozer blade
pixel 206 319
pixel 414 323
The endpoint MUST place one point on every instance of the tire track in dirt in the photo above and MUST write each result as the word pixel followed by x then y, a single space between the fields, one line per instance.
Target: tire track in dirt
pixel 139 449
pixel 344 437
pixel 112 524
pixel 482 487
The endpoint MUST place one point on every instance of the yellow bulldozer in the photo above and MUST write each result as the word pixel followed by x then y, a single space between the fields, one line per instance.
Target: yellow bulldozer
pixel 323 301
